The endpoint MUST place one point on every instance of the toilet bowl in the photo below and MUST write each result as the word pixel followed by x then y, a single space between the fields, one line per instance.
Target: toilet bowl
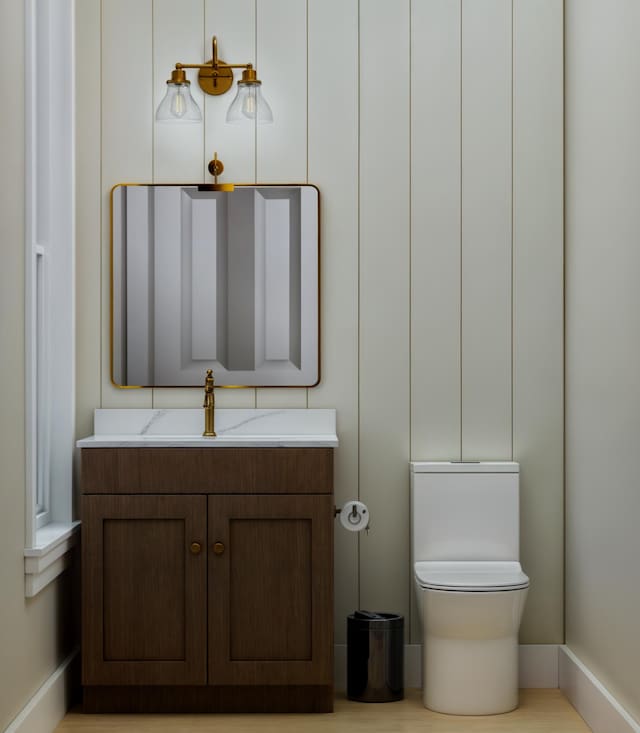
pixel 470 615
pixel 470 587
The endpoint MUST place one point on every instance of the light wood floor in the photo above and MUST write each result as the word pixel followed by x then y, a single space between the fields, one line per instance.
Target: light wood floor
pixel 540 711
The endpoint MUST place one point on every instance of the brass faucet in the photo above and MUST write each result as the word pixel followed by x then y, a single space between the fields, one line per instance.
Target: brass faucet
pixel 209 405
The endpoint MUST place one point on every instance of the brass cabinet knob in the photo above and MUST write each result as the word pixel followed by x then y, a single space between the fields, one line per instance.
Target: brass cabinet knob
pixel 218 548
pixel 195 548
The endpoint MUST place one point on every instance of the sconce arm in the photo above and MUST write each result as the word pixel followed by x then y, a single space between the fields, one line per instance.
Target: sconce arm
pixel 193 66
pixel 234 66
pixel 216 63
pixel 211 65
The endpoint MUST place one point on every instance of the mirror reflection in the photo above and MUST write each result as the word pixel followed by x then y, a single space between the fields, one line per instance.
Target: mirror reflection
pixel 215 280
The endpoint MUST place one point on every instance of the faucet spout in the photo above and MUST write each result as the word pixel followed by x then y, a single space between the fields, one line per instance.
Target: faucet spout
pixel 209 405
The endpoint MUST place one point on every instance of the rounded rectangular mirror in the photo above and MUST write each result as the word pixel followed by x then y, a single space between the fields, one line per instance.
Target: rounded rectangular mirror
pixel 227 281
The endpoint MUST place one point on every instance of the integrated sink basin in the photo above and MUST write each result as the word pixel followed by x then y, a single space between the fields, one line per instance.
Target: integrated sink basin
pixel 182 428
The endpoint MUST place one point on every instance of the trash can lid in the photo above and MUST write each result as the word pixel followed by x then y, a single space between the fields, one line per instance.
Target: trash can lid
pixel 376 620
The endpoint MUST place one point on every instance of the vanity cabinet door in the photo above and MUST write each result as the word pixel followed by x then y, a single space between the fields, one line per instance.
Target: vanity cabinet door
pixel 145 577
pixel 271 590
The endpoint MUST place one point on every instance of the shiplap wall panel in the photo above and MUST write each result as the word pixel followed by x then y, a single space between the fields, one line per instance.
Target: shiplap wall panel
pixel 538 306
pixel 384 304
pixel 486 229
pixel 177 149
pixel 281 154
pixel 435 230
pixel 333 167
pixel 282 54
pixel 127 142
pixel 435 235
pixel 88 232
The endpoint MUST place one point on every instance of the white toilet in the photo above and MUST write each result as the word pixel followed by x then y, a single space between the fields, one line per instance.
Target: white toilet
pixel 470 587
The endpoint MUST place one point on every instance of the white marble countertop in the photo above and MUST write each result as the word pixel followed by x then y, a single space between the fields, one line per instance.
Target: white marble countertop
pixel 122 428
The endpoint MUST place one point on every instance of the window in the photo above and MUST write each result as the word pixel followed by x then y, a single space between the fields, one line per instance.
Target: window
pixel 49 289
pixel 40 449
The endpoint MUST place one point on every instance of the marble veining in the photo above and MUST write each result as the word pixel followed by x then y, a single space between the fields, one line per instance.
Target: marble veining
pixel 157 415
pixel 246 421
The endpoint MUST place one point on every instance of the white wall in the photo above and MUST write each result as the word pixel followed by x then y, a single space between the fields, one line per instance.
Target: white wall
pixel 603 341
pixel 34 633
pixel 434 131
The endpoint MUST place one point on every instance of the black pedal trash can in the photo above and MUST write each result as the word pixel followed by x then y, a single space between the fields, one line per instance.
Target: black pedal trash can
pixel 375 656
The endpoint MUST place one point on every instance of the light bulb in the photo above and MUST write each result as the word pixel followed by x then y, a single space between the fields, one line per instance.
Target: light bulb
pixel 249 105
pixel 178 105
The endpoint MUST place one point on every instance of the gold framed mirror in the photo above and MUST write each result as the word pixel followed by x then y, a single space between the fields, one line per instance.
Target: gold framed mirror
pixel 203 279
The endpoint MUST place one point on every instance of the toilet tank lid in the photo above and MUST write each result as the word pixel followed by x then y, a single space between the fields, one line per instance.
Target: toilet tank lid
pixel 464 467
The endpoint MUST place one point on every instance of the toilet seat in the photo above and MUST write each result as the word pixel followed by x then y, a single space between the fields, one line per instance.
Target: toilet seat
pixel 470 576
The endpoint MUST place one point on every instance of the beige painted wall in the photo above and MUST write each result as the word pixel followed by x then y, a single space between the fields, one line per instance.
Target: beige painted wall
pixel 603 341
pixel 33 633
pixel 434 131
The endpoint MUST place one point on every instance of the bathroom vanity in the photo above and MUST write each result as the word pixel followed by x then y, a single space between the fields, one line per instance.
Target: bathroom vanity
pixel 208 562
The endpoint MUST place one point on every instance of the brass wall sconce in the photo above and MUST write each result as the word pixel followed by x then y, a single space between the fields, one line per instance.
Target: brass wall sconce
pixel 215 77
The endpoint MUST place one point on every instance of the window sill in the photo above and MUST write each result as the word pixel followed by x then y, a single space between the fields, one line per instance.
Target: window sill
pixel 49 556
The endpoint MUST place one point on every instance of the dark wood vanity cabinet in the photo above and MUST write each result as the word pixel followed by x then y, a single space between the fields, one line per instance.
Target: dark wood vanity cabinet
pixel 212 600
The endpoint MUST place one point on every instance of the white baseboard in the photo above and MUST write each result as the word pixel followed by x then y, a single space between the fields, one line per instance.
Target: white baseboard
pixel 538 665
pixel 599 708
pixel 48 706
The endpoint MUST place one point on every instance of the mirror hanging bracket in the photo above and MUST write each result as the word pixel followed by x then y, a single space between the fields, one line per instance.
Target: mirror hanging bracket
pixel 216 167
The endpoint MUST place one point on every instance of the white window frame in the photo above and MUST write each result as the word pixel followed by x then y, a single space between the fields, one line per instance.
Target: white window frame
pixel 49 289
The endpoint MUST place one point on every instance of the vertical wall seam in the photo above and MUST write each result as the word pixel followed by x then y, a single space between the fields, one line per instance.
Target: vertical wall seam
pixel 153 125
pixel 204 101
pixel 101 206
pixel 410 172
pixel 409 604
pixel 255 132
pixel 564 326
pixel 153 59
pixel 307 95
pixel 513 281
pixel 358 127
pixel 255 124
pixel 461 280
pixel 307 127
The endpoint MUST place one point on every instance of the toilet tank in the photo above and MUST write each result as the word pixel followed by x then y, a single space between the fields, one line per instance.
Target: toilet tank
pixel 465 511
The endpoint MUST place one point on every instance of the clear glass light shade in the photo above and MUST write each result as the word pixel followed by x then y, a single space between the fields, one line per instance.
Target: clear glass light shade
pixel 178 105
pixel 249 105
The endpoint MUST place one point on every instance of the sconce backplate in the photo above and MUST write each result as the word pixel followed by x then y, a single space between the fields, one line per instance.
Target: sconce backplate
pixel 215 83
